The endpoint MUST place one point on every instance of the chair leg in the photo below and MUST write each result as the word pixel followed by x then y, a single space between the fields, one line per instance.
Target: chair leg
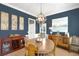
pixel 25 54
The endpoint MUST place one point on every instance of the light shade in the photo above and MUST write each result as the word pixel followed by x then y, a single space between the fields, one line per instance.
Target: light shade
pixel 41 18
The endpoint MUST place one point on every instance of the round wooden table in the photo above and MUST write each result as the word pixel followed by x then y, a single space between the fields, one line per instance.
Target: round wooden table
pixel 45 47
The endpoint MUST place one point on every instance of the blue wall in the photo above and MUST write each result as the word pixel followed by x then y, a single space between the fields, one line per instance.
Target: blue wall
pixel 11 11
pixel 73 21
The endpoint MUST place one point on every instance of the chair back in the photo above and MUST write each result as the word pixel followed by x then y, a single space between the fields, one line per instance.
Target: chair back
pixel 31 47
pixel 31 50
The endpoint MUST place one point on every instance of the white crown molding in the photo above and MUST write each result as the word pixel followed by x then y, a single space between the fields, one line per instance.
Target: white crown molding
pixel 58 8
pixel 18 9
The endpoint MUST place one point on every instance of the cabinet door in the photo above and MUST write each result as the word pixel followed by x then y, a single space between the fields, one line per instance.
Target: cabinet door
pixel 0 52
pixel 0 47
pixel 0 44
pixel 15 44
pixel 21 43
pixel 6 47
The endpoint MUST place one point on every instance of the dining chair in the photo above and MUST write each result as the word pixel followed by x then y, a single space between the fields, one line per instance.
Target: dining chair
pixel 30 49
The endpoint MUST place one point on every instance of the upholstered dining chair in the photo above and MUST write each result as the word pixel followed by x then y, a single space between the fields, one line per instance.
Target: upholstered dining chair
pixel 30 48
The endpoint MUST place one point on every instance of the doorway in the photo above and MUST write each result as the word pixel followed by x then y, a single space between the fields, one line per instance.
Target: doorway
pixel 31 27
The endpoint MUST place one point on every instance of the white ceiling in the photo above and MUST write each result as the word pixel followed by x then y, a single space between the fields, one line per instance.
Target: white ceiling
pixel 47 8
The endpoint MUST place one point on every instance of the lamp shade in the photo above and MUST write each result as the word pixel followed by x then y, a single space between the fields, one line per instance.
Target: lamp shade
pixel 41 18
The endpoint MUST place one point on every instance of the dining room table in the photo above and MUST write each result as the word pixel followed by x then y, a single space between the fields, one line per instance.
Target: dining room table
pixel 46 47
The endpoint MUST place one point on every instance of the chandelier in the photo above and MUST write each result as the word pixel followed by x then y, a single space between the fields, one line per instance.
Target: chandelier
pixel 41 18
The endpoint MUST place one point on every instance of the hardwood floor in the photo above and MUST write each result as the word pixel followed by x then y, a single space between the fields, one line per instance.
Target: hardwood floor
pixel 59 52
pixel 63 52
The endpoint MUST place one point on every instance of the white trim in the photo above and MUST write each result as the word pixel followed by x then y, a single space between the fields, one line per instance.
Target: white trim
pixel 18 9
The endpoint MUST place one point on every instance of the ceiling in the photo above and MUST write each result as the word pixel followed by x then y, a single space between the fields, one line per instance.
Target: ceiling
pixel 47 8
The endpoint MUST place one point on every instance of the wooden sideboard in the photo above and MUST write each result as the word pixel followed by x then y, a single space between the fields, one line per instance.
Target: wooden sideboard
pixel 59 40
pixel 17 42
pixel 0 46
pixel 10 44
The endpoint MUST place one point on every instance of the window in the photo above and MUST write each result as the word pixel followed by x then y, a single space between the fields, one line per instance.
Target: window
pixel 4 21
pixel 60 24
pixel 14 22
pixel 21 23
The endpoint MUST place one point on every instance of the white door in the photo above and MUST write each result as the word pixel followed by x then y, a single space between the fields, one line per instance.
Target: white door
pixel 31 27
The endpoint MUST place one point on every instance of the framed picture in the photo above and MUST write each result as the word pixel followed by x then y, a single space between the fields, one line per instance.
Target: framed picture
pixel 21 23
pixel 4 21
pixel 14 22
